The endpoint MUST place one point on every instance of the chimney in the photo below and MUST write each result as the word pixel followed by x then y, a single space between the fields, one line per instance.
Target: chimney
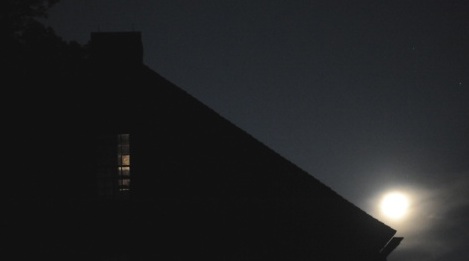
pixel 117 49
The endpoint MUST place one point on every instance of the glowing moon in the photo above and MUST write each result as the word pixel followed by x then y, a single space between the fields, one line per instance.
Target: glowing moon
pixel 394 205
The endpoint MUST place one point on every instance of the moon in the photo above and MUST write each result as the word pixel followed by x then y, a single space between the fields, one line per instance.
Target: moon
pixel 394 205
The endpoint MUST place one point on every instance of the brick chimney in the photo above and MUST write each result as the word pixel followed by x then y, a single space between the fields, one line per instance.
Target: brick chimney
pixel 117 49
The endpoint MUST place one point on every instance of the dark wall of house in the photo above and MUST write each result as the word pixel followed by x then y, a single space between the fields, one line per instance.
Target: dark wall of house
pixel 201 188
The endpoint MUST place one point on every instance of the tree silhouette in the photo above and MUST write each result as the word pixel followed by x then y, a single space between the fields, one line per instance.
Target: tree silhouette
pixel 31 49
pixel 16 15
pixel 39 71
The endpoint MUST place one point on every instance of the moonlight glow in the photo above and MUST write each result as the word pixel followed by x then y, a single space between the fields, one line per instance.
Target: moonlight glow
pixel 394 205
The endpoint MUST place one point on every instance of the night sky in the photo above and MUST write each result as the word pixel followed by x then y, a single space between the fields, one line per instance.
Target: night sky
pixel 366 96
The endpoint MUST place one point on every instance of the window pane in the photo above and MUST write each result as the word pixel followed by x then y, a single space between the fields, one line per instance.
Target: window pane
pixel 124 182
pixel 124 149
pixel 124 171
pixel 125 160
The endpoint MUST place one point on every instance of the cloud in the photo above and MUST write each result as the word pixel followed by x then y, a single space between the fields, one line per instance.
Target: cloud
pixel 437 228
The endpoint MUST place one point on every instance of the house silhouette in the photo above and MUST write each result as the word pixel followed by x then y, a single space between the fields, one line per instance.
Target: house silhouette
pixel 138 169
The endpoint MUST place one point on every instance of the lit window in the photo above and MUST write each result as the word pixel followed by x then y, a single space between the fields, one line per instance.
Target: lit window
pixel 113 173
pixel 123 162
pixel 124 171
